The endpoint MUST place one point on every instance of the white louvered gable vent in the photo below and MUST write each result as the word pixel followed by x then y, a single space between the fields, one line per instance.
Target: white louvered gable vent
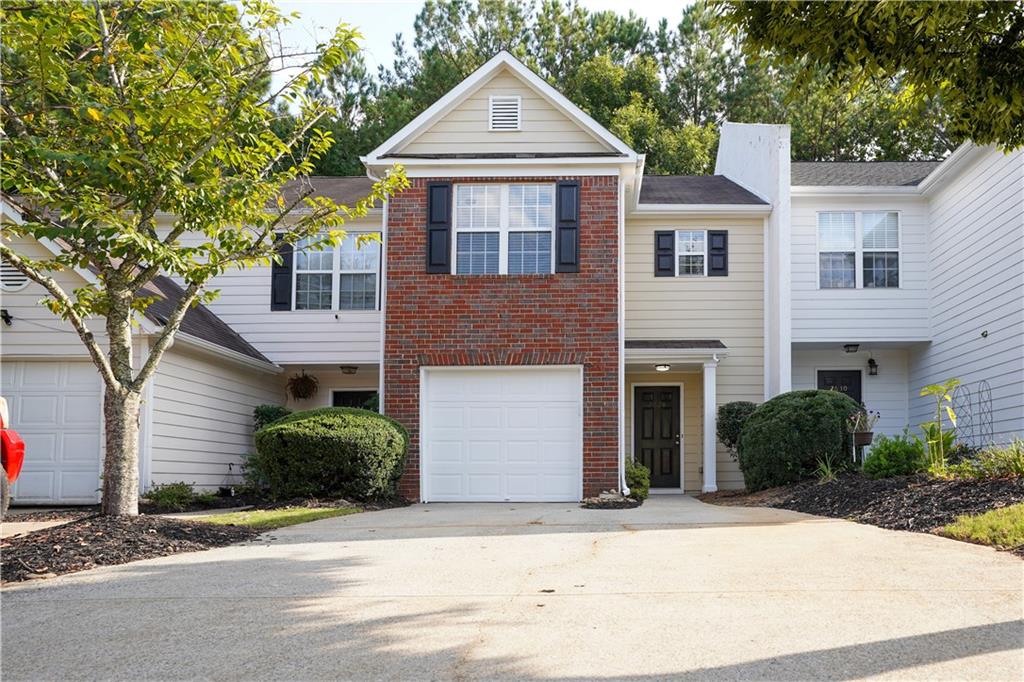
pixel 506 112
pixel 11 279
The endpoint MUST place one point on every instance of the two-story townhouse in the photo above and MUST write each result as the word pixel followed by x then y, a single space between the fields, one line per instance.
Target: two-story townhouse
pixel 538 308
pixel 906 274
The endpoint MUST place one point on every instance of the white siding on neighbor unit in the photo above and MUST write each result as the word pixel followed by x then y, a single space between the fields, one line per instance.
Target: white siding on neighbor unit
pixel 885 393
pixel 202 416
pixel 977 298
pixel 466 128
pixel 331 379
pixel 344 337
pixel 860 315
pixel 35 332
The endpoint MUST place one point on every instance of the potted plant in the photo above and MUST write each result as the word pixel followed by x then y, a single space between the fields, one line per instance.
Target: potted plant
pixel 303 386
pixel 862 424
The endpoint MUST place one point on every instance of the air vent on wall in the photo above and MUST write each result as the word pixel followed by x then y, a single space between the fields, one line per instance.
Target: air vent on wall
pixel 506 111
pixel 11 279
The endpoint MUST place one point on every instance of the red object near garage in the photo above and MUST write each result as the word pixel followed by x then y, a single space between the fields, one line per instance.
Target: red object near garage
pixel 12 456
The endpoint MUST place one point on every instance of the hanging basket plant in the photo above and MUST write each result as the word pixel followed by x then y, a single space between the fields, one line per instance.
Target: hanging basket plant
pixel 303 386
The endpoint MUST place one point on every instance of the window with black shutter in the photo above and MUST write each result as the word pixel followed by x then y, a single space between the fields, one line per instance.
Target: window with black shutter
pixel 567 254
pixel 718 253
pixel 281 277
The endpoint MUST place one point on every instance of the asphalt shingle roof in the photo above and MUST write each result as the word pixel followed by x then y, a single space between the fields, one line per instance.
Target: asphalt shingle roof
pixel 346 189
pixel 860 173
pixel 694 189
pixel 685 344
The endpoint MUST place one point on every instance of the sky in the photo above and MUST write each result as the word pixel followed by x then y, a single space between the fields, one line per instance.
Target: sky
pixel 379 21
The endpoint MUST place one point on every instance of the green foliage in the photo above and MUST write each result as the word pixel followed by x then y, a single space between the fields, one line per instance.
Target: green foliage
pixel 1003 528
pixel 269 519
pixel 786 437
pixel 967 55
pixel 939 442
pixel 176 497
pixel 996 461
pixel 638 479
pixel 731 418
pixel 826 471
pixel 663 89
pixel 327 452
pixel 895 456
pixel 268 414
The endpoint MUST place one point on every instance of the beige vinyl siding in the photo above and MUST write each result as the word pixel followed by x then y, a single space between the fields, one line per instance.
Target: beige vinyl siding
pixel 693 419
pixel 202 416
pixel 465 129
pixel 730 309
pixel 863 314
pixel 332 378
pixel 35 331
pixel 297 336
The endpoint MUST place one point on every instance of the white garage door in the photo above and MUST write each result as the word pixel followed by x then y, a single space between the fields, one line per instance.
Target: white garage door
pixel 508 434
pixel 55 406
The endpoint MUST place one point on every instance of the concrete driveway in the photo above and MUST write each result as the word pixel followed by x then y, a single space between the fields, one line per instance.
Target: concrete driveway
pixel 676 589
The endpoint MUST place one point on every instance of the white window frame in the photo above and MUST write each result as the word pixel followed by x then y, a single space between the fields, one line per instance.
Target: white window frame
pixel 336 272
pixel 858 243
pixel 675 246
pixel 503 228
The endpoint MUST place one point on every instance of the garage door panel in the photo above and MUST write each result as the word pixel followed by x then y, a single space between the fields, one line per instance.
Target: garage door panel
pixel 78 485
pixel 79 410
pixel 40 447
pixel 41 375
pixel 37 410
pixel 500 434
pixel 80 448
pixel 35 486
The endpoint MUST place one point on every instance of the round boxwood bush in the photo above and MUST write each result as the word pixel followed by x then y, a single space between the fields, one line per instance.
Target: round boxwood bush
pixel 731 418
pixel 327 452
pixel 785 438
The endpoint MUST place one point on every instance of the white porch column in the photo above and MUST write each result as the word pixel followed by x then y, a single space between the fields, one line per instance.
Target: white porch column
pixel 710 421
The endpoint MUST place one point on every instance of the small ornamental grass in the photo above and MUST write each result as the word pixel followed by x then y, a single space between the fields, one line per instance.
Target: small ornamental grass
pixel 1003 528
pixel 329 452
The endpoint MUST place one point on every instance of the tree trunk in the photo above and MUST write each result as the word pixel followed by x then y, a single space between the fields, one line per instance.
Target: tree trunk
pixel 121 462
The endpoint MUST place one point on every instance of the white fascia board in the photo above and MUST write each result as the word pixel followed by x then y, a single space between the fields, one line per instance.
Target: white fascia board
pixel 852 190
pixel 518 171
pixel 701 210
pixel 669 355
pixel 961 157
pixel 476 80
pixel 227 353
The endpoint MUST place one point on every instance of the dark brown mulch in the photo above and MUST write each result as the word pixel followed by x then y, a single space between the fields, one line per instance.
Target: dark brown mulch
pixel 17 515
pixel 106 541
pixel 610 503
pixel 916 503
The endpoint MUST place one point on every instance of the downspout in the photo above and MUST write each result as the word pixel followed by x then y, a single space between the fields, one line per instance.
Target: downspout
pixel 622 334
pixel 383 269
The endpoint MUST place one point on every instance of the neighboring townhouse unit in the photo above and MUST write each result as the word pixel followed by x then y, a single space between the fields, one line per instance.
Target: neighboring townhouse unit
pixel 538 309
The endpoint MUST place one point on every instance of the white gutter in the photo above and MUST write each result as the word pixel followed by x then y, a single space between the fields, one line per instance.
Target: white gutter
pixel 698 210
pixel 234 356
pixel 855 190
pixel 946 171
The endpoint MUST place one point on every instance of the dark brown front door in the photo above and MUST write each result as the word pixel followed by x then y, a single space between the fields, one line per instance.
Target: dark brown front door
pixel 843 380
pixel 657 431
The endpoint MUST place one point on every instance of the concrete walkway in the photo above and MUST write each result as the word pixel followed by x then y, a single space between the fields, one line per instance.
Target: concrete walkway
pixel 676 589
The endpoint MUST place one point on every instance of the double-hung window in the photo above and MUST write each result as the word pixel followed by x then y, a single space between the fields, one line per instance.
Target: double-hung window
pixel 341 278
pixel 504 229
pixel 858 249
pixel 692 253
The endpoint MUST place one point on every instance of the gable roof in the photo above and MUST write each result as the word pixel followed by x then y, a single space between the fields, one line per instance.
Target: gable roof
pixel 860 173
pixel 341 189
pixel 199 321
pixel 695 189
pixel 477 79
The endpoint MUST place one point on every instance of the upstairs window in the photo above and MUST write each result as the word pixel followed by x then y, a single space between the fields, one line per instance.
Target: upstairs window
pixel 342 278
pixel 858 249
pixel 692 252
pixel 504 229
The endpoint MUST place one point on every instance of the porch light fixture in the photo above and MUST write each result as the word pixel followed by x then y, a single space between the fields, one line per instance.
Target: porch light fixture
pixel 851 347
pixel 348 369
pixel 662 368
pixel 872 367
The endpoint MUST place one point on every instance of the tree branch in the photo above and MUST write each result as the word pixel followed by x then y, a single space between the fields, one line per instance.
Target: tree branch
pixel 166 337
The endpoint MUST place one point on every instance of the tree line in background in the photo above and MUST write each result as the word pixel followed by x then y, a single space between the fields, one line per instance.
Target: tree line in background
pixel 663 90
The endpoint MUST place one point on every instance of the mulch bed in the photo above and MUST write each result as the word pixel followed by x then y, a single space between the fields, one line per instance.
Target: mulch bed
pixel 915 503
pixel 106 541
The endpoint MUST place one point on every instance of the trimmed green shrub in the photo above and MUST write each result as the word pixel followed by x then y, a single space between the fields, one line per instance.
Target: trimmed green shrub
pixel 329 452
pixel 786 437
pixel 895 456
pixel 176 497
pixel 264 415
pixel 638 478
pixel 731 418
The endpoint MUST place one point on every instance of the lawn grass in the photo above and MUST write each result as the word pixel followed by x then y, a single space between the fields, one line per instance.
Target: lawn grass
pixel 269 519
pixel 1002 528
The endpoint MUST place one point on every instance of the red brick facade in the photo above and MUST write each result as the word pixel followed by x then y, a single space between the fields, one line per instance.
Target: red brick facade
pixel 465 320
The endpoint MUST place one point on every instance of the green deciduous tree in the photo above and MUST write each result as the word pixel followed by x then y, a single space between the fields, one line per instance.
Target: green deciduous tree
pixel 968 55
pixel 128 125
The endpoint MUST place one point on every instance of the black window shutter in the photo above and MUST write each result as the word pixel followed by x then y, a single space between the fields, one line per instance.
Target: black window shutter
pixel 718 253
pixel 567 227
pixel 439 227
pixel 281 278
pixel 665 253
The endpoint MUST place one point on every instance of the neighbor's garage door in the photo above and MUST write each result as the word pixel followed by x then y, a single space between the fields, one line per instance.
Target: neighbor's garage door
pixel 55 406
pixel 502 434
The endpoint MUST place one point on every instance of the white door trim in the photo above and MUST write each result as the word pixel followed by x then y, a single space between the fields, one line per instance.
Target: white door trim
pixel 682 428
pixel 425 371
